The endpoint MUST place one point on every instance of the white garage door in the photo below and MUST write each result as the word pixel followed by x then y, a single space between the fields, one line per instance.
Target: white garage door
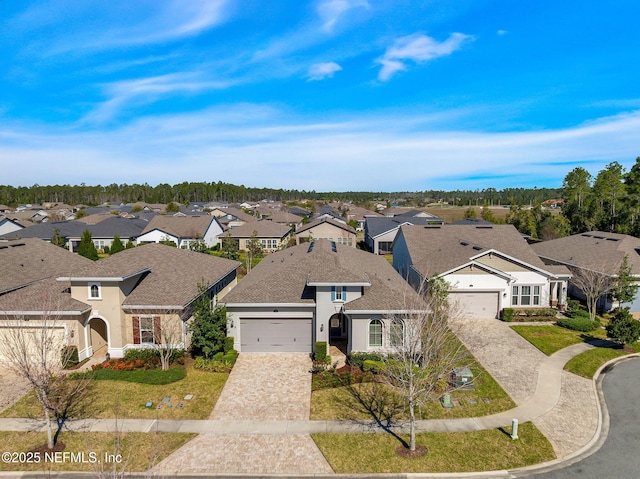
pixel 275 335
pixel 31 337
pixel 477 305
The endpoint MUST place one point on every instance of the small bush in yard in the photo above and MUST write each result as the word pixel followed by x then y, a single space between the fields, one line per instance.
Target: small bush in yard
pixel 507 314
pixel 212 365
pixel 578 324
pixel 320 354
pixel 228 344
pixel 342 377
pixel 373 366
pixel 357 359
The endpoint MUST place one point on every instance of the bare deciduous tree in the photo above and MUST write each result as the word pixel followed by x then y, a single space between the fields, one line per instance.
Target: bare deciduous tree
pixel 33 343
pixel 594 284
pixel 424 350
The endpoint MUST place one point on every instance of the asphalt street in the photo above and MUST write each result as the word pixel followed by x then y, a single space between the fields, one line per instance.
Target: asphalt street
pixel 619 456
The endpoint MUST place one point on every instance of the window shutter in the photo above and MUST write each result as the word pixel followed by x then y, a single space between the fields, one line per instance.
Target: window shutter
pixel 333 293
pixel 157 330
pixel 136 330
pixel 344 294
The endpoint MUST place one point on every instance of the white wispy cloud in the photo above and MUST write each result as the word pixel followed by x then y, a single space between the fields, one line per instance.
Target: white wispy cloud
pixel 276 150
pixel 320 71
pixel 502 32
pixel 129 93
pixel 330 11
pixel 417 48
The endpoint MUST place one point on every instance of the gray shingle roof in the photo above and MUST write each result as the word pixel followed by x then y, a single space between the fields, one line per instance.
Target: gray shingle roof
pixel 173 277
pixel 283 276
pixel 435 250
pixel 596 250
pixel 180 226
pixel 68 229
pixel 265 229
pixel 336 223
pixel 29 260
pixel 376 226
pixel 48 295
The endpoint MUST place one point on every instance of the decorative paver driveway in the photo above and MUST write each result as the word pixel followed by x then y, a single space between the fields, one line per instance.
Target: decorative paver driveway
pixel 267 386
pixel 515 364
pixel 261 387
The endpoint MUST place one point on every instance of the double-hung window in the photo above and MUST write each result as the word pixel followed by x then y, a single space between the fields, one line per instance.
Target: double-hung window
pixel 375 333
pixel 525 295
pixel 146 330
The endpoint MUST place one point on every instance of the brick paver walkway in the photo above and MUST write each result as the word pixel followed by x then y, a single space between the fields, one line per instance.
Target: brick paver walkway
pixel 12 389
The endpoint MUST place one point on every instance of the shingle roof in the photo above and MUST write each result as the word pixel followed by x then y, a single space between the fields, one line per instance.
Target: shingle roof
pixel 283 217
pixel 68 229
pixel 283 276
pixel 336 223
pixel 48 295
pixel 173 276
pixel 265 229
pixel 180 226
pixel 435 250
pixel 380 225
pixel 596 250
pixel 29 260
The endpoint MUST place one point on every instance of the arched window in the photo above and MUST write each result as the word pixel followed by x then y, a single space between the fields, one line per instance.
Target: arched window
pixel 396 333
pixel 94 291
pixel 375 333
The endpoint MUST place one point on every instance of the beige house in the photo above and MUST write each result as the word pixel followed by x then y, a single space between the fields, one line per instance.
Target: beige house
pixel 132 299
pixel 271 235
pixel 327 228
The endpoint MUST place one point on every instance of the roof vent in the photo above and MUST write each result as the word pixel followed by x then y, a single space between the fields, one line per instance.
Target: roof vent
pixel 613 239
pixel 599 237
pixel 310 247
pixel 333 246
pixel 484 227
pixel 586 235
pixel 464 243
pixel 478 248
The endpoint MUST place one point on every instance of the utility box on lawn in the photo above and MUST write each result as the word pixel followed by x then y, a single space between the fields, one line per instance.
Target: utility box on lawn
pixel 462 378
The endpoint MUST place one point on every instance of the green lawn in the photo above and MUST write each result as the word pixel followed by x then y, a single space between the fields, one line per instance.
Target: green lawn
pixel 370 401
pixel 139 450
pixel 447 452
pixel 586 364
pixel 127 399
pixel 551 338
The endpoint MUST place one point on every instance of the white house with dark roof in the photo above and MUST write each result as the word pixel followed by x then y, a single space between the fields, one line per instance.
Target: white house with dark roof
pixel 488 267
pixel 181 230
pixel 595 251
pixel 379 232
pixel 318 291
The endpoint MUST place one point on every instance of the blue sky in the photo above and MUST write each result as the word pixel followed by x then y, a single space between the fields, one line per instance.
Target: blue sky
pixel 326 95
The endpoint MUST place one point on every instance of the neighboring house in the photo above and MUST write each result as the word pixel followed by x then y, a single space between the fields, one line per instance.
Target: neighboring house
pixel 7 226
pixel 232 217
pixel 45 231
pixel 488 268
pixel 318 291
pixel 297 210
pixel 137 292
pixel 28 286
pixel 379 232
pixel 283 218
pixel 327 228
pixel 181 230
pixel 271 235
pixel 595 251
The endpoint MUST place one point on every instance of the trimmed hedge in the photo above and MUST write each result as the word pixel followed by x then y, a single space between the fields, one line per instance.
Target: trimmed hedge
pixel 530 314
pixel 376 367
pixel 320 354
pixel 578 324
pixel 357 359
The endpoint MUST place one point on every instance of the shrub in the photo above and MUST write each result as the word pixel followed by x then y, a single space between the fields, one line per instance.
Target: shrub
pixel 145 354
pixel 622 328
pixel 578 324
pixel 212 365
pixel 320 354
pixel 376 367
pixel 228 344
pixel 70 356
pixel 356 359
pixel 507 314
pixel 343 377
pixel 231 356
pixel 218 356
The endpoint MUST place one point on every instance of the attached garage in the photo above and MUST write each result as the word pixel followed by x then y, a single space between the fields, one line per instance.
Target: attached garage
pixel 31 338
pixel 264 335
pixel 481 305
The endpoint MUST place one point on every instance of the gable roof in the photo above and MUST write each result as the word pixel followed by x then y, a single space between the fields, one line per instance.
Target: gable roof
pixel 436 250
pixel 169 276
pixel 284 277
pixel 264 228
pixel 338 224
pixel 29 260
pixel 180 226
pixel 595 250
pixel 379 225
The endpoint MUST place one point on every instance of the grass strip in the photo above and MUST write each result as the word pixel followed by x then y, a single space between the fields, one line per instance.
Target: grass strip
pixel 447 452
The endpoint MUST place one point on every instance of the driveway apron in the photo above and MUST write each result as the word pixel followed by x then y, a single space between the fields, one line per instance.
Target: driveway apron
pixel 261 387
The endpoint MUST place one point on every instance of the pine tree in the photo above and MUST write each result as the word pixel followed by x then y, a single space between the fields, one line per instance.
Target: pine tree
pixel 86 247
pixel 116 245
pixel 57 239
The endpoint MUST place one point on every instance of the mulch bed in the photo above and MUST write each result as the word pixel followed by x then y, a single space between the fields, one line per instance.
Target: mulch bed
pixel 409 454
pixel 57 447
